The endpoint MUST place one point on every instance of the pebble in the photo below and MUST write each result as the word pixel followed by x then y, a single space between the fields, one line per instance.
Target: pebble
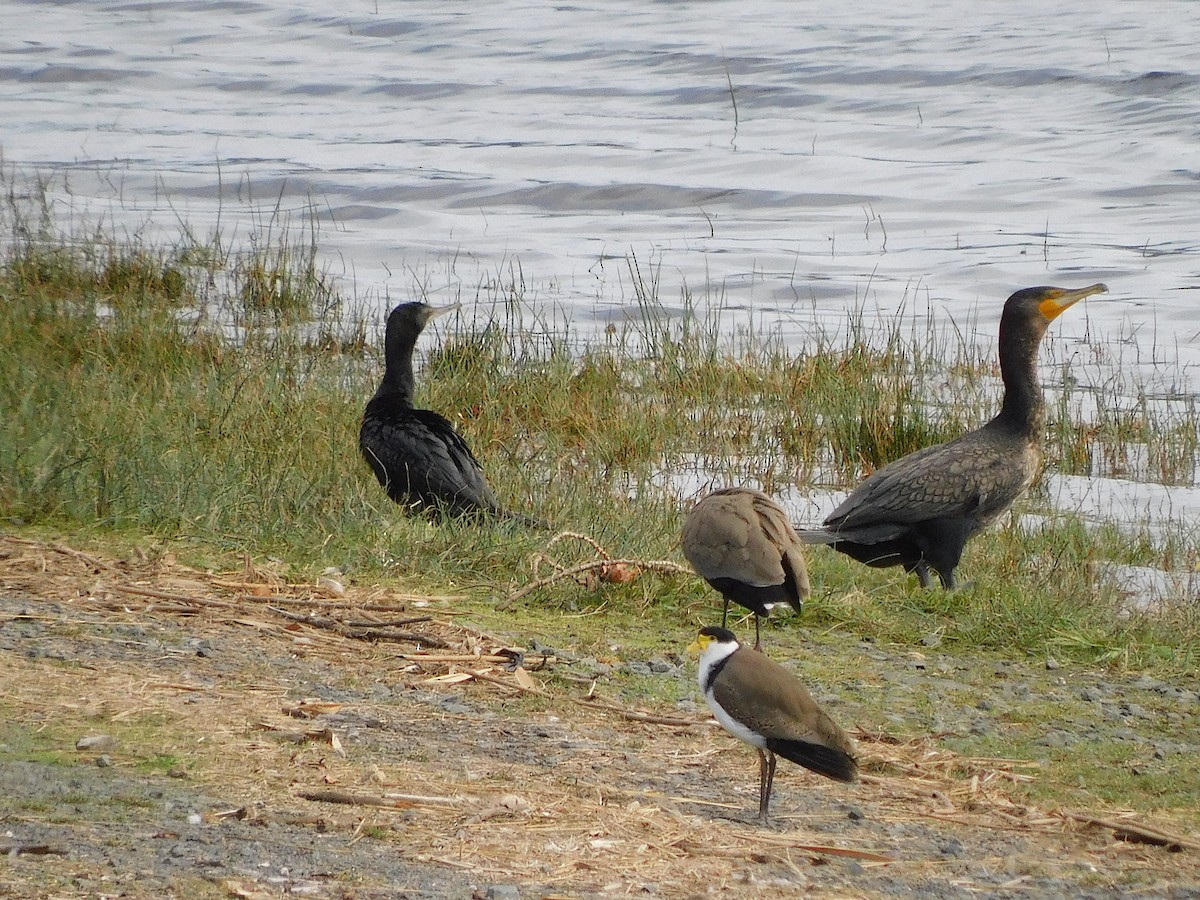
pixel 1057 738
pixel 1091 695
pixel 503 892
pixel 98 742
pixel 952 847
pixel 1052 663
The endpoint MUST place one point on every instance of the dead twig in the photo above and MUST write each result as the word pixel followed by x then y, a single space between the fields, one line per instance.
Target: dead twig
pixel 389 801
pixel 31 850
pixel 64 550
pixel 634 715
pixel 1134 832
pixel 165 595
pixel 361 634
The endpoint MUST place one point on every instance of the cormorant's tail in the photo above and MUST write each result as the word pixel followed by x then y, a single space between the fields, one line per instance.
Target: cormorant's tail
pixel 818 536
pixel 527 521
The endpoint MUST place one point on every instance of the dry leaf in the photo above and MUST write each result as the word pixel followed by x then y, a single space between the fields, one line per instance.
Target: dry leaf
pixel 524 679
pixel 309 708
pixel 450 678
pixel 618 573
pixel 246 890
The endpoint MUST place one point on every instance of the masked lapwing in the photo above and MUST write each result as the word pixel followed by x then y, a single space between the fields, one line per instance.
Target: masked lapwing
pixel 741 542
pixel 763 704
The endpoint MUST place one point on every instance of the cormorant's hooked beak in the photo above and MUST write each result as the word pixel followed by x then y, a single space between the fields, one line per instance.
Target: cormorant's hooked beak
pixel 1057 300
pixel 435 311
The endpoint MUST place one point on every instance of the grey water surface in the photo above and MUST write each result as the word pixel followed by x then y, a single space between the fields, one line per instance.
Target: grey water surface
pixel 785 162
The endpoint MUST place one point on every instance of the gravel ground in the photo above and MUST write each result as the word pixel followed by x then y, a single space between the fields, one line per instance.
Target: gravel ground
pixel 202 793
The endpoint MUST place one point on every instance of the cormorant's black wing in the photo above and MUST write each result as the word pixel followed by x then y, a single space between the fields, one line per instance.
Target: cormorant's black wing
pixel 968 477
pixel 419 458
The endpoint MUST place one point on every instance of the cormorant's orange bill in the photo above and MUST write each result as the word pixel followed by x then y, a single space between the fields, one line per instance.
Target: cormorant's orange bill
pixel 1058 300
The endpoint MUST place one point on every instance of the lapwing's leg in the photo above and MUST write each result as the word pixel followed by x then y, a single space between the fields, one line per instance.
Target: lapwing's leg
pixel 725 612
pixel 766 778
pixel 757 635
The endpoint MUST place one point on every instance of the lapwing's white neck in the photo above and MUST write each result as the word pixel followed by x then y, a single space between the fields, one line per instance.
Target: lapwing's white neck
pixel 713 660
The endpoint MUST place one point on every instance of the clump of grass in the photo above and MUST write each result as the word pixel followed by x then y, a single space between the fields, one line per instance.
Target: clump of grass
pixel 121 412
pixel 281 276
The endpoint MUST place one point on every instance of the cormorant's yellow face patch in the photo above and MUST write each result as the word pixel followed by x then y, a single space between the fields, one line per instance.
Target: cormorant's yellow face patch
pixel 1057 300
pixel 1050 307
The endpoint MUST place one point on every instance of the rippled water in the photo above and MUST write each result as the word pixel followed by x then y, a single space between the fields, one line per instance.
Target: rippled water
pixel 786 161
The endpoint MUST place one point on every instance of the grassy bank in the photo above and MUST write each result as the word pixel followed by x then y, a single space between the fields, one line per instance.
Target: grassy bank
pixel 208 397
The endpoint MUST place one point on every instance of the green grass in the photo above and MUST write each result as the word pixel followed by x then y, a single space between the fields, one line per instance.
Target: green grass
pixel 126 417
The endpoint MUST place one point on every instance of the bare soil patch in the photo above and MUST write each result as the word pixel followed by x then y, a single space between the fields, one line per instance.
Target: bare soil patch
pixel 270 739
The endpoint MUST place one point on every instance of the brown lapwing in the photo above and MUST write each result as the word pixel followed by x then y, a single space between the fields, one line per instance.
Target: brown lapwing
pixel 763 704
pixel 740 542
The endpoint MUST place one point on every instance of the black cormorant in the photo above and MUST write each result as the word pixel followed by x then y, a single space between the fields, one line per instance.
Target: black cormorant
pixel 741 542
pixel 416 454
pixel 920 510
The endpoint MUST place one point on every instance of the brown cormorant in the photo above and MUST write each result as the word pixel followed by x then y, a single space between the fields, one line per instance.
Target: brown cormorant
pixel 740 542
pixel 920 510
pixel 416 454
pixel 762 703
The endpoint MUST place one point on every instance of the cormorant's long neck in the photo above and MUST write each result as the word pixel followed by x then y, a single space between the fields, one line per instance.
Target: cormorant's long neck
pixel 398 381
pixel 1023 409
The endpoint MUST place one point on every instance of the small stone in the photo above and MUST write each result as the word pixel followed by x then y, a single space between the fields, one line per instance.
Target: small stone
pixel 952 847
pixel 331 586
pixel 1056 738
pixel 503 892
pixel 854 814
pixel 103 761
pixel 932 640
pixel 1091 695
pixel 1052 663
pixel 98 742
